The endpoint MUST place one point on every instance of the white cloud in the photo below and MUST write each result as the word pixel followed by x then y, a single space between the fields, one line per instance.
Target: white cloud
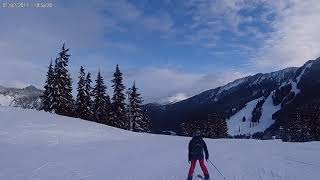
pixel 163 84
pixel 127 13
pixel 30 37
pixel 26 47
pixel 210 17
pixel 295 37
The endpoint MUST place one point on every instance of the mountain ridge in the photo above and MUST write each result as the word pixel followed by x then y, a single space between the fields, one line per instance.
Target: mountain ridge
pixel 230 98
pixel 28 97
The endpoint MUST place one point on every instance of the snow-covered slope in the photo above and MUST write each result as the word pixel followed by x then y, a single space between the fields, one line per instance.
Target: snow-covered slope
pixel 26 97
pixel 38 145
pixel 236 126
pixel 295 81
pixel 6 100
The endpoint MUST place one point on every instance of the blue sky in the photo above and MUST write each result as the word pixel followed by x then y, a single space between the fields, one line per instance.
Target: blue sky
pixel 172 48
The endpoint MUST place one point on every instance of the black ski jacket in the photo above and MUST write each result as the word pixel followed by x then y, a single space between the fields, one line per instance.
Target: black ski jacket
pixel 196 148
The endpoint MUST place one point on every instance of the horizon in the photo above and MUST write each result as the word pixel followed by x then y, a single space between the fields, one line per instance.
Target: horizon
pixel 173 49
pixel 176 98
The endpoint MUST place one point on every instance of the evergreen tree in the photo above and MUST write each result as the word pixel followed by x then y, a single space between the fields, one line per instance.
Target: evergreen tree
pixel 146 121
pixel 136 116
pixel 257 112
pixel 101 103
pixel 63 102
pixel 55 95
pixel 293 129
pixel 316 133
pixel 88 95
pixel 118 104
pixel 217 126
pixel 83 102
pixel 223 127
pixel 47 97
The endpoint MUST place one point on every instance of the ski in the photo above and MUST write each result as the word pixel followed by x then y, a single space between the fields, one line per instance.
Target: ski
pixel 200 177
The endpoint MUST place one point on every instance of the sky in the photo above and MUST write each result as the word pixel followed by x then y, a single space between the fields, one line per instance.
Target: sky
pixel 173 49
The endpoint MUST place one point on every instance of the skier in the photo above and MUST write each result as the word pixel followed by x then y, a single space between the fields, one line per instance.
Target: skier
pixel 196 148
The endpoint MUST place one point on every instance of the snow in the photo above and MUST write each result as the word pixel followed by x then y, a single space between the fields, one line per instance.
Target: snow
pixel 26 97
pixel 268 109
pixel 232 85
pixel 37 145
pixel 6 100
pixel 235 121
pixel 295 84
pixel 294 87
pixel 176 98
pixel 277 75
pixel 304 69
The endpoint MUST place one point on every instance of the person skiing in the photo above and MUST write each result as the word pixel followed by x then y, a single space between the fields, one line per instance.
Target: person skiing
pixel 196 148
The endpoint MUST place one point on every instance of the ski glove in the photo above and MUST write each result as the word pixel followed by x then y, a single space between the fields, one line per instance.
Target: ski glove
pixel 207 157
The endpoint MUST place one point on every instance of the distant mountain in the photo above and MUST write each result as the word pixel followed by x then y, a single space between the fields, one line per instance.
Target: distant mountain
pixel 271 95
pixel 172 99
pixel 28 97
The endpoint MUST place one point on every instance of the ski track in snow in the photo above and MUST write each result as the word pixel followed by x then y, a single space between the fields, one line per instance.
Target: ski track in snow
pixel 41 146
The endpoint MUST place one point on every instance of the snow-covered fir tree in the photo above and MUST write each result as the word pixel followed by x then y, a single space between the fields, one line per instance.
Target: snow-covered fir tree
pixel 118 101
pixel 63 102
pixel 101 102
pixel 83 101
pixel 47 97
pixel 88 96
pixel 136 116
pixel 146 122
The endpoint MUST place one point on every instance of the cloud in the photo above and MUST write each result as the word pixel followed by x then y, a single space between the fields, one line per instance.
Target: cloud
pixel 282 33
pixel 295 36
pixel 211 17
pixel 32 36
pixel 274 34
pixel 130 16
pixel 167 84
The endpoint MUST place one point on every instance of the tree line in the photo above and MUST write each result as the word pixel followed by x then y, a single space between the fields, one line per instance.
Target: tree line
pixel 303 124
pixel 214 126
pixel 93 102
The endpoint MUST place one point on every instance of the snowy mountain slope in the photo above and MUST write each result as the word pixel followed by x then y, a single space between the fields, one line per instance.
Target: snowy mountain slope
pixel 6 100
pixel 26 97
pixel 237 127
pixel 290 87
pixel 296 80
pixel 228 99
pixel 38 145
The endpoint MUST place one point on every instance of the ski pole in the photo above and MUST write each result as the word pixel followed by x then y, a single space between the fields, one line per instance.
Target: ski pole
pixel 217 169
